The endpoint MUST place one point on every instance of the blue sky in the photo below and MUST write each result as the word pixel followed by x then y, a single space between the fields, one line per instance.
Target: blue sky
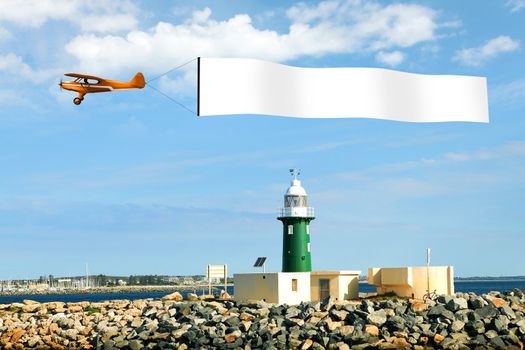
pixel 133 184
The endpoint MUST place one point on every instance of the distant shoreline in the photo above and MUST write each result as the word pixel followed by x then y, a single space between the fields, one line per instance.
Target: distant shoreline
pixel 115 290
pixel 490 279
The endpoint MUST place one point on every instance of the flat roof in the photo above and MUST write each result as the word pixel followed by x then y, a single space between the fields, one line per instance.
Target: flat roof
pixel 336 272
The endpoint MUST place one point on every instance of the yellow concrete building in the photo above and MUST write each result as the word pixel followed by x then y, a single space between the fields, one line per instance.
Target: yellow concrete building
pixel 294 287
pixel 341 285
pixel 275 287
pixel 412 281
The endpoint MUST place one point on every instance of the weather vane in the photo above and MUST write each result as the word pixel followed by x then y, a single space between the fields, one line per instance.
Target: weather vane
pixel 295 172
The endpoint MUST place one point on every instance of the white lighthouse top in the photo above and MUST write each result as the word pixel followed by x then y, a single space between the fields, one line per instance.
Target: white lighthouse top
pixel 296 189
pixel 296 200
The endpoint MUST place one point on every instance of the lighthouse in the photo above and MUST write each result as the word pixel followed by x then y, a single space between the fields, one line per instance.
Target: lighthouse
pixel 297 282
pixel 296 216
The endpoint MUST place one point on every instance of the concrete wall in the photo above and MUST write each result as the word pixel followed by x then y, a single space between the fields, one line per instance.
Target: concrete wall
pixel 344 285
pixel 411 281
pixel 275 287
pixel 256 286
pixel 286 295
pixel 348 287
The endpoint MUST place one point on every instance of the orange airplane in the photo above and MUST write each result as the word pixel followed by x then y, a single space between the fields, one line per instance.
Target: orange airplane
pixel 88 84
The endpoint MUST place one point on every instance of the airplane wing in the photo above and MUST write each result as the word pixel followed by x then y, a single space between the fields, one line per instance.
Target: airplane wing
pixel 76 75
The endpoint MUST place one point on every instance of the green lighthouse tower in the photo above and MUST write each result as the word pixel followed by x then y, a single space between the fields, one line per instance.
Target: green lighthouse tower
pixel 296 216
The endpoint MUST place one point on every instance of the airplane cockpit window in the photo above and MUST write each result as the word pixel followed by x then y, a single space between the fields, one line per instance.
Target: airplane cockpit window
pixel 86 81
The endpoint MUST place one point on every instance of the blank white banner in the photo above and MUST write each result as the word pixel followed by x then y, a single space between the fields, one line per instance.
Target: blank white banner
pixel 247 86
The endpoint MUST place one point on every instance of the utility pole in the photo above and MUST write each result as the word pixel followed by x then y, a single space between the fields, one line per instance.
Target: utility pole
pixel 87 276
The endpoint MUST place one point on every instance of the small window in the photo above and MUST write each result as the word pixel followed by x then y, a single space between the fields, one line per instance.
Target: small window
pixel 307 229
pixel 308 247
pixel 294 284
pixel 290 229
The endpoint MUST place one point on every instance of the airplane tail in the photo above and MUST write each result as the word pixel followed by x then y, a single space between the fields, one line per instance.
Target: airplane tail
pixel 138 81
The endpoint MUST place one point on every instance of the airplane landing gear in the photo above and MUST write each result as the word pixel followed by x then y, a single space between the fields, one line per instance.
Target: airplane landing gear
pixel 77 100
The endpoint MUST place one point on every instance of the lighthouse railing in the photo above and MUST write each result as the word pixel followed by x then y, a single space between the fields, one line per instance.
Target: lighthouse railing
pixel 296 212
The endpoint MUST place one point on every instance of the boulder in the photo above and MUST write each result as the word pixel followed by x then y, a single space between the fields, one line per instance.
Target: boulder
pixel 225 295
pixel 498 302
pixel 488 311
pixel 497 342
pixel 419 306
pixel 372 330
pixel 440 311
pixel 377 318
pixel 455 304
pixel 340 315
pixel 438 338
pixel 175 296
pixel 191 297
pixel 457 326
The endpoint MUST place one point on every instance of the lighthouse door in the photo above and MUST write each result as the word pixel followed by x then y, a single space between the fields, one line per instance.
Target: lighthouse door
pixel 324 288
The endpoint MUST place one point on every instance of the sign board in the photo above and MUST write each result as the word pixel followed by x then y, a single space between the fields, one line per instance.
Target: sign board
pixel 217 271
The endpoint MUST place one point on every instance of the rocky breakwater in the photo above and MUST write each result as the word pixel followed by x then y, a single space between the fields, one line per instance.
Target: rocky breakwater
pixel 494 320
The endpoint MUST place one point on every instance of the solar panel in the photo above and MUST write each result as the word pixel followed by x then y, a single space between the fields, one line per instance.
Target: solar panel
pixel 260 261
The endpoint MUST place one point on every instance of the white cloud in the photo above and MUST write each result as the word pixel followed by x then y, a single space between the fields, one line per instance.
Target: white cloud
pixel 329 27
pixel 515 5
pixel 513 92
pixel 393 58
pixel 506 150
pixel 110 23
pixel 92 16
pixel 4 34
pixel 475 56
pixel 14 65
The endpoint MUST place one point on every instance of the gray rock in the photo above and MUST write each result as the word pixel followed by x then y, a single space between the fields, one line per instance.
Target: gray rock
pixel 457 326
pixel 135 344
pixel 491 334
pixel 339 315
pixel 367 306
pixel 488 311
pixel 499 324
pixel 395 323
pixel 497 342
pixel 109 345
pixel 232 321
pixel 463 315
pixel 377 318
pixel 327 303
pixel 137 322
pixel 292 312
pixel 479 340
pixel 349 307
pixel 440 311
pixel 475 327
pixel 444 299
pixel 455 304
pixel 507 311
pixel 477 302
pixel 511 338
